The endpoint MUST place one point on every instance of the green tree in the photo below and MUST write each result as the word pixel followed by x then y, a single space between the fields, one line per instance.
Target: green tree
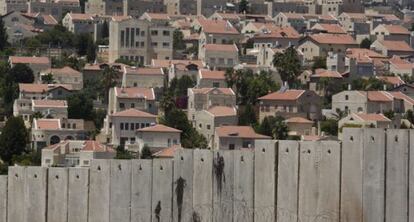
pixel 190 138
pixel 412 27
pixel 260 85
pixel 57 36
pixel 105 30
pixel 48 79
pixel 365 43
pixel 123 154
pixel 244 6
pixel 288 64
pixel 91 51
pixel 389 114
pixel 280 129
pixel 247 116
pixel 146 152
pixel 3 35
pixel 409 115
pixel 319 63
pixel 82 43
pixel 21 73
pixel 178 87
pixel 178 40
pixel 13 139
pixel 109 79
pixel 230 76
pixel 330 126
pixel 80 106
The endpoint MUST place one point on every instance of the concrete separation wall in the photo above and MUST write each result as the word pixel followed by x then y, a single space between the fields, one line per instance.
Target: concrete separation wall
pixel 367 177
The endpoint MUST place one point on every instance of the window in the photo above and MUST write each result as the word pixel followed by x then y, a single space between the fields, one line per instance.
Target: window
pixel 132 105
pixel 208 127
pixel 132 37
pixel 86 162
pixel 136 125
pixel 127 37
pixel 231 146
pixel 122 126
pixel 59 92
pixel 230 62
pixel 74 126
pixel 166 33
pixel 126 126
pixel 154 32
pixel 132 126
pixel 216 84
pixel 346 97
pixel 154 44
pixel 246 144
pixel 122 38
pixel 165 44
pixel 200 125
pixel 121 105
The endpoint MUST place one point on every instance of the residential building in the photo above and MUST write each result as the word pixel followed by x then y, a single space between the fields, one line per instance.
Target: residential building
pixel 400 66
pixel 157 137
pixel 236 137
pixel 392 48
pixel 315 78
pixel 407 89
pixel 318 45
pixel 297 21
pixel 92 73
pixel 204 98
pixel 206 121
pixel 363 120
pixel 371 102
pixel 75 153
pixel 216 32
pixel 12 6
pixel 156 18
pixel 46 132
pixel 276 37
pixel 219 56
pixel 79 23
pixel 143 78
pixel 328 28
pixel 37 64
pixel 65 76
pixel 120 127
pixel 139 41
pixel 179 68
pixel 136 8
pixel 105 7
pixel 299 126
pixel 56 8
pixel 291 103
pixel 211 79
pixel 391 33
pixel 37 91
pixel 133 97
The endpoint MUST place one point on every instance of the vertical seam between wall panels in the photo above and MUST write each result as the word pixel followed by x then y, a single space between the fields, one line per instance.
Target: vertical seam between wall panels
pixel 385 173
pixel 298 181
pixel 276 175
pixel 340 178
pixel 408 174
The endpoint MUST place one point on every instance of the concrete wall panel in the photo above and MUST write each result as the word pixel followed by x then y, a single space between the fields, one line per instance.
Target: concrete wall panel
pixel 203 186
pixel 411 178
pixel 78 195
pixel 243 203
pixel 162 176
pixel 264 180
pixel 396 208
pixel 287 181
pixel 120 191
pixel 351 193
pixel 223 178
pixel 99 185
pixel 374 175
pixel 15 197
pixel 183 185
pixel 319 183
pixel 3 198
pixel 141 190
pixel 35 193
pixel 57 189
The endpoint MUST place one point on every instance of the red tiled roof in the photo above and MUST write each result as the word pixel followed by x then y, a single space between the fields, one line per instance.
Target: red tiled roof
pixel 291 94
pixel 372 117
pixel 335 39
pixel 294 16
pixel 29 60
pixel 165 63
pixel 401 46
pixel 222 111
pixel 402 96
pixel 394 80
pixel 298 120
pixel 158 16
pixel 65 70
pixel 399 63
pixel 208 74
pixel 278 32
pixel 40 88
pixel 47 124
pixel 143 71
pixel 217 26
pixel 379 96
pixel 50 103
pixel 358 52
pixel 95 146
pixel 397 29
pixel 239 132
pixel 159 128
pixel 133 113
pixel 227 91
pixel 81 16
pixel 167 152
pixel 135 92
pixel 329 28
pixel 323 73
pixel 221 47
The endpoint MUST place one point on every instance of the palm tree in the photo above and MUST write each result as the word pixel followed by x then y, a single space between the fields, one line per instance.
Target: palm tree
pixel 109 80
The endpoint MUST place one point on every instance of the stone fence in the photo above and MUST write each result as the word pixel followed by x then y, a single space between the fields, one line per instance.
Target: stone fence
pixel 365 177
